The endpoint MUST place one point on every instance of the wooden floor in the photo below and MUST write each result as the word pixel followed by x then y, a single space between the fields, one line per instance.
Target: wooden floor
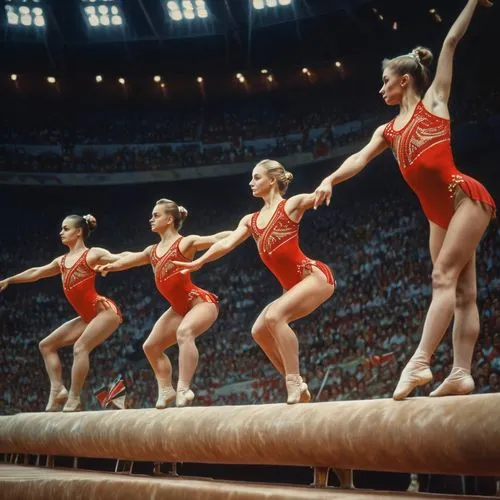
pixel 25 482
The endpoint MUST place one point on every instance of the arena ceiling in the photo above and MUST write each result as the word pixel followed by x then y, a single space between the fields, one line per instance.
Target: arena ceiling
pixel 231 37
pixel 234 35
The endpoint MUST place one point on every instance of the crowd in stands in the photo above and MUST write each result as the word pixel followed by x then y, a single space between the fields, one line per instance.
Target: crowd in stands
pixel 353 347
pixel 174 136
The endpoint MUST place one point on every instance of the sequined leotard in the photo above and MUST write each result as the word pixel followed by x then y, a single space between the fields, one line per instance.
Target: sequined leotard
pixel 176 287
pixel 79 287
pixel 423 151
pixel 278 245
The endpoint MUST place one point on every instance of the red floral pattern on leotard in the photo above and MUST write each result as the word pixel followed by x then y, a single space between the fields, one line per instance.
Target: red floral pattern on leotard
pixel 79 288
pixel 163 266
pixel 277 232
pixel 175 286
pixel 423 151
pixel 423 131
pixel 278 245
pixel 78 273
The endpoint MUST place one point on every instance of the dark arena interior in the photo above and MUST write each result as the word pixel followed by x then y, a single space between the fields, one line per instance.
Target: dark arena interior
pixel 107 106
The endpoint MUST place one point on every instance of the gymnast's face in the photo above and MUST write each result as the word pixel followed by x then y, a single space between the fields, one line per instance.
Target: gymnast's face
pixel 160 220
pixel 393 87
pixel 261 183
pixel 69 232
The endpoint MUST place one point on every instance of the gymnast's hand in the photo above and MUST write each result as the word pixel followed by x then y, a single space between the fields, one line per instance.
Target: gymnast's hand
pixel 323 193
pixel 485 3
pixel 104 269
pixel 3 285
pixel 188 267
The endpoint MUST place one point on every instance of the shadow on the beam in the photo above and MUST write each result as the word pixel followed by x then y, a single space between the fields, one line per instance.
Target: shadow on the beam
pixel 294 475
pixel 386 481
pixel 462 485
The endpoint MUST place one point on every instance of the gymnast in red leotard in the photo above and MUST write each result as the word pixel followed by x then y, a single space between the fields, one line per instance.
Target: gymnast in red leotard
pixel 306 283
pixel 457 206
pixel 193 310
pixel 98 316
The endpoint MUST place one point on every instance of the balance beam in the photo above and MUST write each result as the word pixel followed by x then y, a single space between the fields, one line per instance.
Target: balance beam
pixel 19 482
pixel 451 435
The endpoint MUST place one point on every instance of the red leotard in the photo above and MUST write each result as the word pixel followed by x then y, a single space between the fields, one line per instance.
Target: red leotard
pixel 278 245
pixel 423 151
pixel 176 287
pixel 79 287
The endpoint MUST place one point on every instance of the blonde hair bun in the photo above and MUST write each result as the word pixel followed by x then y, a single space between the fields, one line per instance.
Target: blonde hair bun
pixel 183 212
pixel 91 221
pixel 424 54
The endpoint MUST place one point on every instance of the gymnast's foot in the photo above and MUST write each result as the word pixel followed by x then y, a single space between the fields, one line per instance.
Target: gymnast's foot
pixel 57 397
pixel 166 395
pixel 459 381
pixel 297 389
pixel 72 404
pixel 415 374
pixel 184 397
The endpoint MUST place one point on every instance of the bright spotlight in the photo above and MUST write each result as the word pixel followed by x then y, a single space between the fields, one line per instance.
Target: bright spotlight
pixel 13 77
pixel 270 4
pixel 157 78
pixel 121 81
pixel 98 78
pixel 186 9
pixel 102 13
pixel 26 20
pixel 51 79
pixel 29 13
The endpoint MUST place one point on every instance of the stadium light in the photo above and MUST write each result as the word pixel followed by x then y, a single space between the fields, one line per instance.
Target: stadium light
pixel 13 77
pixel 157 78
pixel 51 79
pixel 435 15
pixel 121 81
pixel 186 9
pixel 262 4
pixel 199 79
pixel 102 13
pixel 98 78
pixel 24 13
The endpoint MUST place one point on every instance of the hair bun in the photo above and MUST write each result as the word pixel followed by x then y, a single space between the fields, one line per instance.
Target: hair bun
pixel 289 176
pixel 424 54
pixel 91 221
pixel 183 212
